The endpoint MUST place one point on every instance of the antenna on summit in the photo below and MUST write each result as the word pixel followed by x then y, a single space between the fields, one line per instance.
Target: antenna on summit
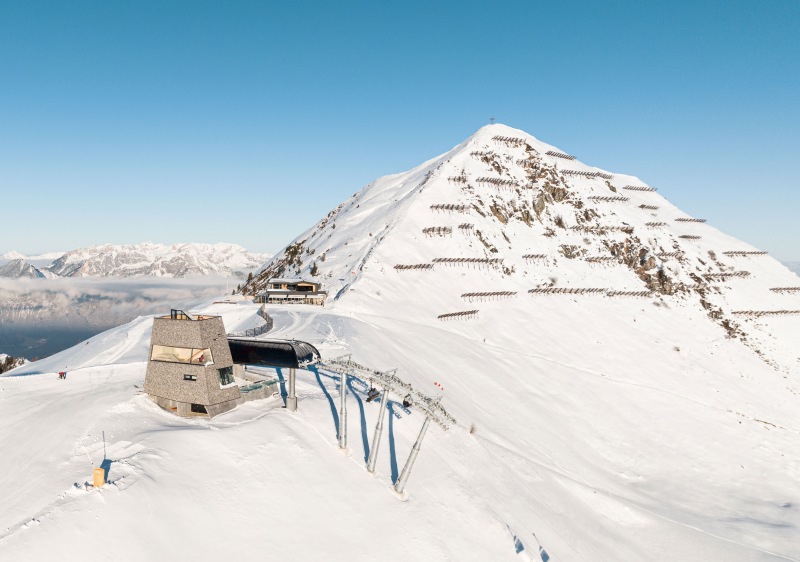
pixel 491 120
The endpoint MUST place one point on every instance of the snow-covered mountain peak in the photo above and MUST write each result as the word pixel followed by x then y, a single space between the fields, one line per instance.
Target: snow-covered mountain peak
pixel 19 268
pixel 160 260
pixel 503 212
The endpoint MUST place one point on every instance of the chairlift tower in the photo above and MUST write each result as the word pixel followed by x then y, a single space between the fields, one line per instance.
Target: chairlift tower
pixel 376 437
pixel 401 482
pixel 343 410
pixel 431 407
pixel 291 398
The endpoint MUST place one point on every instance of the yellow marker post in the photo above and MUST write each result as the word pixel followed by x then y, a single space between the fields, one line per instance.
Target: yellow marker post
pixel 99 477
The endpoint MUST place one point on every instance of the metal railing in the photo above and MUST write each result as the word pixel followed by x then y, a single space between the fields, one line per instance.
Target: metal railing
pixel 263 329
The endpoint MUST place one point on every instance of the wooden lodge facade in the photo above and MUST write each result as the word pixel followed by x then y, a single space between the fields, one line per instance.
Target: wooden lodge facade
pixel 292 291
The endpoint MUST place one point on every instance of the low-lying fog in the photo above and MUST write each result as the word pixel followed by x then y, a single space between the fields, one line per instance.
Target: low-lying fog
pixel 39 317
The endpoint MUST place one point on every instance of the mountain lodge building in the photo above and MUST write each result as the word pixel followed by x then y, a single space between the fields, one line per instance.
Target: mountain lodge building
pixel 292 291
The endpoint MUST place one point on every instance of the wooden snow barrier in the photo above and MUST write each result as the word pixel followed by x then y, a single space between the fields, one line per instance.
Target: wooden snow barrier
pixel 601 229
pixel 437 231
pixel 655 224
pixel 496 182
pixel 479 155
pixel 601 259
pixel 735 253
pixel 463 315
pixel 401 267
pixel 638 188
pixel 690 236
pixel 609 198
pixel 785 289
pixel 590 291
pixel 670 255
pixel 565 291
pixel 649 207
pixel 466 228
pixel 468 261
pixel 533 257
pixel 525 163
pixel 688 219
pixel 710 276
pixel 458 179
pixel 488 295
pixel 590 175
pixel 509 141
pixel 759 313
pixel 450 208
pixel 560 155
pixel 629 293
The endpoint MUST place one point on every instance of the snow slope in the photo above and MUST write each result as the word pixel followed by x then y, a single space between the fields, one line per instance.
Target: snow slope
pixel 590 426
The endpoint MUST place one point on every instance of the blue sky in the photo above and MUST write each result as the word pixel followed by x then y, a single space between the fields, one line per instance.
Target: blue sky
pixel 246 122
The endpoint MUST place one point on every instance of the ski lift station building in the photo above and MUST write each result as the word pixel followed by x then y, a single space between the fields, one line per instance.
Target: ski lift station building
pixel 190 370
pixel 193 362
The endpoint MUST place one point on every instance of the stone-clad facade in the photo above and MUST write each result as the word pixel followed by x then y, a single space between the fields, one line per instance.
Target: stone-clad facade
pixel 181 376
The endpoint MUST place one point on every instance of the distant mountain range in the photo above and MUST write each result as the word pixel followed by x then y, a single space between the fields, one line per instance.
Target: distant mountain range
pixel 135 260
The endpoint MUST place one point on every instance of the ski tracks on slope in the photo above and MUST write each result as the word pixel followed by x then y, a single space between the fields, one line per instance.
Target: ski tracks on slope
pixel 627 501
pixel 123 469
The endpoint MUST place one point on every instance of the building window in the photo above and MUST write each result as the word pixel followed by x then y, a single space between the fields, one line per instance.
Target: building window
pixel 181 355
pixel 225 376
pixel 190 377
pixel 198 409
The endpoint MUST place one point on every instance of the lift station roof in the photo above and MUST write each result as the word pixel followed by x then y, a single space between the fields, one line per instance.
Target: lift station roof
pixel 273 353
